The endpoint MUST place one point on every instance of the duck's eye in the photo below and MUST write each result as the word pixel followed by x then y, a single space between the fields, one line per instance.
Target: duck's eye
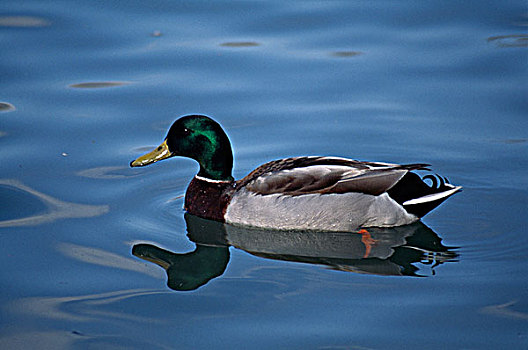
pixel 183 132
pixel 159 148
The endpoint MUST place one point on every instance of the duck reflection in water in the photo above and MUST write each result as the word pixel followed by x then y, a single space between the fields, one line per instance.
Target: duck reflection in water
pixel 379 251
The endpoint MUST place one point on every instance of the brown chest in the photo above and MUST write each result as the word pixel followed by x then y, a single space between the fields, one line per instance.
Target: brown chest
pixel 207 199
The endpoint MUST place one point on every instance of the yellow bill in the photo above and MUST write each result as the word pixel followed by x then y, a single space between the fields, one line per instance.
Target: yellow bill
pixel 159 153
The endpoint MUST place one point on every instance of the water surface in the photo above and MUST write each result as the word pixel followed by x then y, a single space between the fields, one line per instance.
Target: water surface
pixel 86 87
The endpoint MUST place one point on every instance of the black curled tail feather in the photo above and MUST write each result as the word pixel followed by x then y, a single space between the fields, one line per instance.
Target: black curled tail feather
pixel 411 187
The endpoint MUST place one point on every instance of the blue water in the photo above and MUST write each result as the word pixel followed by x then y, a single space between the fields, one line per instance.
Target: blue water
pixel 85 87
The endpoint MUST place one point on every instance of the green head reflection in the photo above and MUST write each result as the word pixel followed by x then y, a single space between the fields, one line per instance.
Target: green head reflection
pixel 186 271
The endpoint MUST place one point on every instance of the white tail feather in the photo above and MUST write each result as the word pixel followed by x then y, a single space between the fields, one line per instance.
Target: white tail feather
pixel 433 197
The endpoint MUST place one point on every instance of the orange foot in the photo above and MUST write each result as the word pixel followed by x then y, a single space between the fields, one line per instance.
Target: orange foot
pixel 368 241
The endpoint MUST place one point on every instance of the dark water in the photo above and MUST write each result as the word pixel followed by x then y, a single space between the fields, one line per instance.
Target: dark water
pixel 88 86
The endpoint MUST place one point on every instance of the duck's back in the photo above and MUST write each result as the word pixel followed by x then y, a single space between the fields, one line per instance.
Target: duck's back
pixel 319 193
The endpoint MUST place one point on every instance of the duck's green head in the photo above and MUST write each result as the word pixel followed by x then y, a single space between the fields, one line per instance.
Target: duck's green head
pixel 200 138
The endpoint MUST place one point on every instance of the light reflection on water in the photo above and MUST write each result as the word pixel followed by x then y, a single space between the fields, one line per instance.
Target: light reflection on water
pixel 99 84
pixel 6 107
pixel 23 21
pixel 55 208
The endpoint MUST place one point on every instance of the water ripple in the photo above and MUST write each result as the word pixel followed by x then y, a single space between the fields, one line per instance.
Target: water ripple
pixel 101 257
pixel 514 40
pixel 6 107
pixel 98 84
pixel 81 307
pixel 23 21
pixel 106 173
pixel 240 44
pixel 505 310
pixel 56 209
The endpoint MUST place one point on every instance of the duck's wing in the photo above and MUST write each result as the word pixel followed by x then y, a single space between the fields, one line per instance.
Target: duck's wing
pixel 324 175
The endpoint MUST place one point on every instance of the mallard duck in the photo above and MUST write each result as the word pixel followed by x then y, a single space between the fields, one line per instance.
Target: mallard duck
pixel 301 193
